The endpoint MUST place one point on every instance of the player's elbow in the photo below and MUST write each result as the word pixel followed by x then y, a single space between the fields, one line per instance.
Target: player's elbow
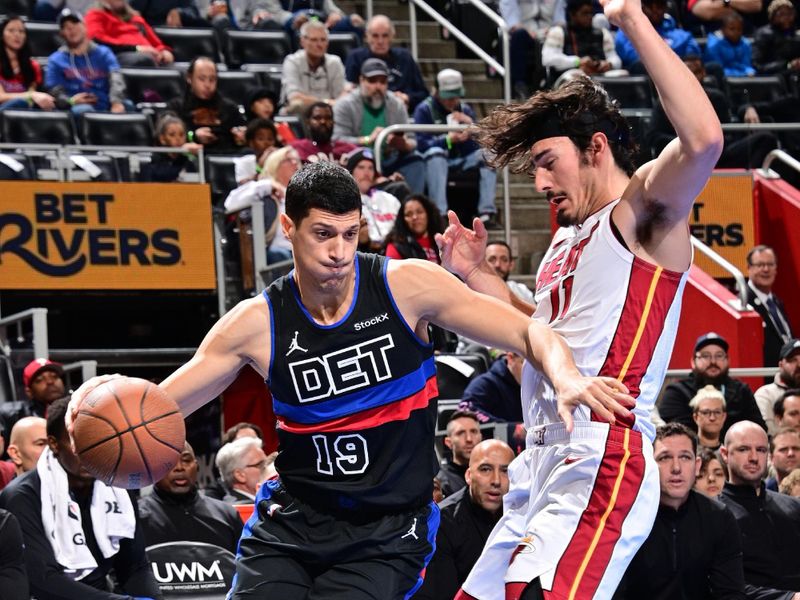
pixel 705 142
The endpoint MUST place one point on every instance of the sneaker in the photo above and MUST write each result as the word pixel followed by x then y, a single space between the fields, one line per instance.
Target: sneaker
pixel 490 221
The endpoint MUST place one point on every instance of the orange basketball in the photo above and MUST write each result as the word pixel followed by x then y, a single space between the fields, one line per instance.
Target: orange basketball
pixel 128 433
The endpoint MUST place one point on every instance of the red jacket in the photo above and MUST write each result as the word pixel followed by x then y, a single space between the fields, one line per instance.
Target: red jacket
pixel 107 28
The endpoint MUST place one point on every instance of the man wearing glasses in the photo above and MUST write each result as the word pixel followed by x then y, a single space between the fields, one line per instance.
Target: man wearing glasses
pixel 243 466
pixel 708 412
pixel 710 367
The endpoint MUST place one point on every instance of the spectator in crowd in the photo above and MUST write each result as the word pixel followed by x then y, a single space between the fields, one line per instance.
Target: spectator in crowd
pixel 243 467
pixel 711 15
pixel 498 255
pixel 787 377
pixel 71 543
pixel 413 234
pixel 13 577
pixel 212 120
pixel 27 441
pixel 711 475
pixel 494 396
pixel 463 434
pixel 115 24
pixel 769 522
pixel 242 429
pixel 48 10
pixel 676 38
pixel 166 167
pixel 467 517
pixel 82 75
pixel 43 382
pixel 579 47
pixel 784 456
pixel 20 75
pixel 7 469
pixel 363 113
pixel 528 22
pixel 379 208
pixel 319 143
pixel 261 138
pixel 247 15
pixel 438 496
pixel 787 409
pixel 708 412
pixel 296 13
pixel 739 152
pixel 278 170
pixel 762 270
pixel 176 511
pixel 776 46
pixel 709 367
pixel 729 48
pixel 404 77
pixel 791 484
pixel 694 549
pixel 454 151
pixel 261 104
pixel 311 74
pixel 170 13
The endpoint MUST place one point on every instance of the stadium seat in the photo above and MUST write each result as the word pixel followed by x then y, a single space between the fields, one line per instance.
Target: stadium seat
pixel 455 371
pixel 153 85
pixel 632 91
pixel 269 76
pixel 92 167
pixel 15 166
pixel 16 7
pixel 8 392
pixel 221 175
pixel 743 90
pixel 265 47
pixel 341 43
pixel 235 85
pixel 192 570
pixel 188 43
pixel 37 127
pixel 639 121
pixel 43 38
pixel 110 129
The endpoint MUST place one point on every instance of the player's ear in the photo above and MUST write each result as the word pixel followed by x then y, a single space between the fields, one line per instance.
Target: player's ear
pixel 13 454
pixel 287 226
pixel 53 443
pixel 447 442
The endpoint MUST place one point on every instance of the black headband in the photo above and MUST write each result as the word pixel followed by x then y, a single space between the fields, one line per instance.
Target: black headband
pixel 586 123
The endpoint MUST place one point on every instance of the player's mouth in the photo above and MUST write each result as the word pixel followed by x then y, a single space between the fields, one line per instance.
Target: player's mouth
pixel 556 199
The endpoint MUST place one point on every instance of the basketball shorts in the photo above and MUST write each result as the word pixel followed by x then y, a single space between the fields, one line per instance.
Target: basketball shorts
pixel 579 507
pixel 291 551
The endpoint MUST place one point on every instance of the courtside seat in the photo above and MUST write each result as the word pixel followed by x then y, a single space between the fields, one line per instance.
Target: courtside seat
pixel 37 127
pixel 221 175
pixel 153 85
pixel 43 37
pixel 639 121
pixel 341 43
pixel 21 8
pixel 455 371
pixel 15 166
pixel 265 47
pixel 190 42
pixel 235 85
pixel 93 167
pixel 631 91
pixel 192 570
pixel 110 129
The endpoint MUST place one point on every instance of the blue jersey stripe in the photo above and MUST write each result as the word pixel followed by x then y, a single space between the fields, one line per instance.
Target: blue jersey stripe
pixel 365 399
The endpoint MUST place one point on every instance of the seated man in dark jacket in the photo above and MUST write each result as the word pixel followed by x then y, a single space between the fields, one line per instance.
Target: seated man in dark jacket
pixel 76 529
pixel 494 395
pixel 710 366
pixel 176 511
pixel 776 46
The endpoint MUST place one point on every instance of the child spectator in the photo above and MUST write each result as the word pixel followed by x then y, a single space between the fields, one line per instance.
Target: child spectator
pixel 167 167
pixel 728 48
pixel 261 104
pixel 261 138
pixel 20 75
pixel 418 221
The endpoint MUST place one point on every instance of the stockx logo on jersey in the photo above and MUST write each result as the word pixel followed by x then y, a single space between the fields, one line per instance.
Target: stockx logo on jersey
pixel 342 371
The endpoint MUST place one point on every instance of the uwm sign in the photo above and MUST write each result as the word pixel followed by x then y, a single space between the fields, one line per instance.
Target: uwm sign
pixel 114 236
pixel 191 569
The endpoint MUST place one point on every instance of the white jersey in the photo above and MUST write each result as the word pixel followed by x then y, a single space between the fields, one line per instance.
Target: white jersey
pixel 618 314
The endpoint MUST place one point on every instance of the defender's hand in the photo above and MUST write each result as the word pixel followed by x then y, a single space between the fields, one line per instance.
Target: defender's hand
pixel 618 11
pixel 462 250
pixel 605 396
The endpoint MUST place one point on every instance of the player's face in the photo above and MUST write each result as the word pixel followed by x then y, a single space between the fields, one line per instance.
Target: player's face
pixel 562 173
pixel 677 468
pixel 497 255
pixel 487 477
pixel 763 269
pixel 790 370
pixel 746 455
pixel 465 435
pixel 786 455
pixel 711 362
pixel 46 387
pixel 791 413
pixel 711 479
pixel 69 461
pixel 710 416
pixel 183 476
pixel 324 246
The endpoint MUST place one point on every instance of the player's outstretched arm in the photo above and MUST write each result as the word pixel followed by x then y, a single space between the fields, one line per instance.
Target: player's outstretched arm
pixel 426 293
pixel 463 253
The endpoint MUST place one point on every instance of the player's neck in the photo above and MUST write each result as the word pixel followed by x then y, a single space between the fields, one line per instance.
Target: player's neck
pixel 327 305
pixel 608 186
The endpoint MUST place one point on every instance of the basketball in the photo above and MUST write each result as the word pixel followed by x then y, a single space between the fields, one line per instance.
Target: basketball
pixel 128 433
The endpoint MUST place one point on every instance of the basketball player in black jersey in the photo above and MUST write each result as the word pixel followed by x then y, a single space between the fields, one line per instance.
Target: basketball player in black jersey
pixel 342 342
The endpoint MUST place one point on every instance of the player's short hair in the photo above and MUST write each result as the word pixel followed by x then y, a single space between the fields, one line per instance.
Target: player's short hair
pixel 578 109
pixel 778 407
pixel 673 429
pixel 323 185
pixel 229 457
pixel 56 412
pixel 782 431
pixel 231 433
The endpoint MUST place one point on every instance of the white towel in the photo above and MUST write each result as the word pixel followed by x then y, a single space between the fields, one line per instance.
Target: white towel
pixel 112 513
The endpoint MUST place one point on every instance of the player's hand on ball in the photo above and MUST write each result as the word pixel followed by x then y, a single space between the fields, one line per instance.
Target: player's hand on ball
pixel 605 396
pixel 78 396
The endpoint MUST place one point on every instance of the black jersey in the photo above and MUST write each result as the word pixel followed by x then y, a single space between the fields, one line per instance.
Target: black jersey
pixel 353 400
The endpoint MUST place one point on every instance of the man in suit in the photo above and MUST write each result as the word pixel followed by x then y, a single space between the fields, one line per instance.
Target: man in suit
pixel 762 269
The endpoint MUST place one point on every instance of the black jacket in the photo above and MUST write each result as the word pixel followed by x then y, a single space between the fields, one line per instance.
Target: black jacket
pixel 494 395
pixel 770 526
pixel 739 403
pixel 451 477
pixel 693 553
pixel 772 338
pixel 13 580
pixel 773 49
pixel 46 577
pixel 463 531
pixel 189 517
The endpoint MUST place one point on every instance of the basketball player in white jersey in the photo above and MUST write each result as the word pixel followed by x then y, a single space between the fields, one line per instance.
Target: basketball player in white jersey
pixel 585 492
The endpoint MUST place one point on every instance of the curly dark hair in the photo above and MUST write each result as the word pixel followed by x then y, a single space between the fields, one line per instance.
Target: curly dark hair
pixel 23 56
pixel 402 237
pixel 577 109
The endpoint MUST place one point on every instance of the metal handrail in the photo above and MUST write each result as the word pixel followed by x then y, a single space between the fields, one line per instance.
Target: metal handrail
pixel 782 156
pixel 733 372
pixel 39 318
pixel 760 126
pixel 741 284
